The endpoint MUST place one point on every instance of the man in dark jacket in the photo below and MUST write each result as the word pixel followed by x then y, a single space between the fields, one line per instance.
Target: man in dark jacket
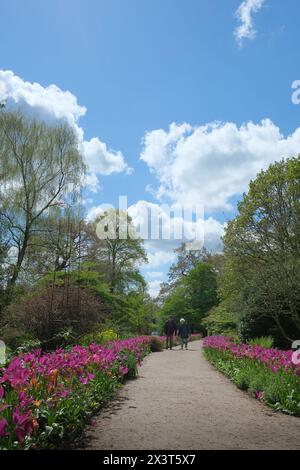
pixel 170 330
pixel 184 333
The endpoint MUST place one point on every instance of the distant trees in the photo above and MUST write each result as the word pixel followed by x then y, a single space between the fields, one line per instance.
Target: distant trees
pixel 194 295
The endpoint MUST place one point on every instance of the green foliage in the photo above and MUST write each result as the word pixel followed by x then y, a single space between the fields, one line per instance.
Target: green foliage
pixel 49 314
pixel 45 163
pixel 100 337
pixel 264 341
pixel 220 322
pixel 131 364
pixel 114 246
pixel 261 273
pixel 193 298
pixel 280 390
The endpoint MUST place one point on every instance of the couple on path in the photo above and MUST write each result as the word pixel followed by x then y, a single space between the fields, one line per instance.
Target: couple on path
pixel 171 330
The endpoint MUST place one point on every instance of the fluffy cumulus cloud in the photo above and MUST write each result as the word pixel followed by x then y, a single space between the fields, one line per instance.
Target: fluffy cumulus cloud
pixel 102 160
pixel 53 104
pixel 213 163
pixel 244 14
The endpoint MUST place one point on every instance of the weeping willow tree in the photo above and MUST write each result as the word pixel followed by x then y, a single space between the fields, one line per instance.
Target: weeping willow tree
pixel 41 168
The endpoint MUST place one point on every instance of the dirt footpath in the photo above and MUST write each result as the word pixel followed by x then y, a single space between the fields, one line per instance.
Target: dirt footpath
pixel 181 402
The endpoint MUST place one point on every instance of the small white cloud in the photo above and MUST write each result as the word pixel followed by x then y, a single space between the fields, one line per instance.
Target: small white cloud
pixel 92 182
pixel 102 160
pixel 159 258
pixel 154 274
pixel 244 14
pixel 93 213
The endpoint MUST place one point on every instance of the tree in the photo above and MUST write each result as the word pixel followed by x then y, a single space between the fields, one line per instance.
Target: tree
pixel 40 167
pixel 117 255
pixel 186 260
pixel 194 296
pixel 220 322
pixel 261 274
pixel 58 244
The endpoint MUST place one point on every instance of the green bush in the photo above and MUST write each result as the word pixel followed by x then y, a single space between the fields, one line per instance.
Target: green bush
pixel 99 337
pixel 263 341
pixel 131 364
pixel 156 345
pixel 220 322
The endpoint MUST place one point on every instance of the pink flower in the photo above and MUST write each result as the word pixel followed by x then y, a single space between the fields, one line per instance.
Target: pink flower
pixel 1 392
pixel 273 358
pixel 3 424
pixel 23 424
pixel 259 395
pixel 123 370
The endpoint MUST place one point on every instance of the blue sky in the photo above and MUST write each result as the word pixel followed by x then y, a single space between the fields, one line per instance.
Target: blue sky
pixel 139 65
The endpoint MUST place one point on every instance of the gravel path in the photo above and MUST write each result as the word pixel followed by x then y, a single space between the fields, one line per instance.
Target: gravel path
pixel 181 402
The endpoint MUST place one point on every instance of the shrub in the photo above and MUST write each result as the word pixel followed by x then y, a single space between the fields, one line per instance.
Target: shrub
pixel 130 365
pixel 156 344
pixel 264 341
pixel 220 322
pixel 99 337
pixel 43 314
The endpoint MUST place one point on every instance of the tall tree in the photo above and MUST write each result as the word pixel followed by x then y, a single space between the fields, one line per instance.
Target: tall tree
pixel 40 166
pixel 262 249
pixel 186 260
pixel 117 249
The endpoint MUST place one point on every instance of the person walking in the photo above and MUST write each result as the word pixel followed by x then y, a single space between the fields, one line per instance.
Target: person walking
pixel 170 330
pixel 184 333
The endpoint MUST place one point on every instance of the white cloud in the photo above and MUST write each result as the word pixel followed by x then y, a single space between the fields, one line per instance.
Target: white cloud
pixel 102 160
pixel 210 164
pixel 159 258
pixel 155 274
pixel 92 182
pixel 51 104
pixel 154 287
pixel 244 14
pixel 93 213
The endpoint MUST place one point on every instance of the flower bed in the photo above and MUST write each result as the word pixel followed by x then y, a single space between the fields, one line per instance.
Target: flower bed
pixel 46 397
pixel 267 373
